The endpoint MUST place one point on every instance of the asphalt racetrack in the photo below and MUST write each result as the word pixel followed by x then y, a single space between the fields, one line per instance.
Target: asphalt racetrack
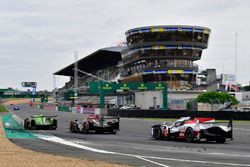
pixel 134 146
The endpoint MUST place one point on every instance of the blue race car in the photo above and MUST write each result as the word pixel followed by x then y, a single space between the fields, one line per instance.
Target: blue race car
pixel 16 108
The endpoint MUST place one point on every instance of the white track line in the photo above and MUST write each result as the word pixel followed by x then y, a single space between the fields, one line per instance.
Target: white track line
pixel 153 162
pixel 68 143
pixel 145 158
pixel 196 161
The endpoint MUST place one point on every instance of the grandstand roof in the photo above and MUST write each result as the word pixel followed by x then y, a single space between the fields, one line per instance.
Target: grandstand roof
pixel 100 59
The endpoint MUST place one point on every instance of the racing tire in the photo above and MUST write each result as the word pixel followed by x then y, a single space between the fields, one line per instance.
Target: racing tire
pixel 157 133
pixel 54 124
pixel 220 140
pixel 85 128
pixel 26 124
pixel 189 135
pixel 112 132
pixel 32 124
pixel 71 127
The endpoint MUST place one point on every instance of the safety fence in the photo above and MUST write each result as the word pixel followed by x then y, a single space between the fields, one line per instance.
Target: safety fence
pixel 222 115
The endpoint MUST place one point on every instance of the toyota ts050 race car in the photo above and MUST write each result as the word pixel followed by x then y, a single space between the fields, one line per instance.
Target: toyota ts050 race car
pixel 40 121
pixel 196 129
pixel 96 124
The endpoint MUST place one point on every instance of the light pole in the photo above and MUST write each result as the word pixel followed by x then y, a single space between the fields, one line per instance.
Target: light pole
pixel 54 85
pixel 75 78
pixel 236 50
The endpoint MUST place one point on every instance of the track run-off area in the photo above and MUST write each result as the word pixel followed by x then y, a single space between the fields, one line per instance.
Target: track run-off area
pixel 133 145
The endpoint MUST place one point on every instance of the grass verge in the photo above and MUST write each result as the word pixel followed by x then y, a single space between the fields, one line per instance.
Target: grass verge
pixel 2 108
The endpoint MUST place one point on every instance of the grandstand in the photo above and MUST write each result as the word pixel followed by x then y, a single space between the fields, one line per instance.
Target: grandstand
pixel 153 54
pixel 103 63
pixel 164 54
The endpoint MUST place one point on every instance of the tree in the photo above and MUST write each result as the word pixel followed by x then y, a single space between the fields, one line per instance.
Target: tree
pixel 216 97
pixel 246 88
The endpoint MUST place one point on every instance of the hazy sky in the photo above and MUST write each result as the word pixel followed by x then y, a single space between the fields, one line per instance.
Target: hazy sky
pixel 39 37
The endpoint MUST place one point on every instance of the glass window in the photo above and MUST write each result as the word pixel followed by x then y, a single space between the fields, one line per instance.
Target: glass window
pixel 167 36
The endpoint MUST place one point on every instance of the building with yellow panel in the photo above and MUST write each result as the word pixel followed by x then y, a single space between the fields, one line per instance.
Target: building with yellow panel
pixel 164 53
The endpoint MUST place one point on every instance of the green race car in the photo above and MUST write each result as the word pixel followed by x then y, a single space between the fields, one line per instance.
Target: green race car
pixel 40 121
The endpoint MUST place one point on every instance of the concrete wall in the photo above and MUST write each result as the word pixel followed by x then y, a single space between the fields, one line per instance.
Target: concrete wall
pixel 176 99
pixel 145 99
pixel 183 94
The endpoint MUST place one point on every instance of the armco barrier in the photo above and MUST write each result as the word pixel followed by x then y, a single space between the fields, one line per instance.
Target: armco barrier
pixel 222 115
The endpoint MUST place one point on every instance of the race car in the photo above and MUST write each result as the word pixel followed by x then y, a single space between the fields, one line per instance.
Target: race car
pixel 196 129
pixel 40 122
pixel 96 124
pixel 16 108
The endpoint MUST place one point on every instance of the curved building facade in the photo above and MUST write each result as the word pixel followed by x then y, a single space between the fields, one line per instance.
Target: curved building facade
pixel 164 53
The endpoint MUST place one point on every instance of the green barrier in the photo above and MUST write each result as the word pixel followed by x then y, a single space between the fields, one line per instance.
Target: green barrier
pixel 64 109
pixel 13 130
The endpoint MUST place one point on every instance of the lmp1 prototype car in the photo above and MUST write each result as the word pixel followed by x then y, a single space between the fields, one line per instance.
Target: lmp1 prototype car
pixel 196 129
pixel 16 108
pixel 96 124
pixel 40 121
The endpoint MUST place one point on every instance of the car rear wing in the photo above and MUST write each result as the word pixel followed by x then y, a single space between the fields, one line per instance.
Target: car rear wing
pixel 116 123
pixel 229 125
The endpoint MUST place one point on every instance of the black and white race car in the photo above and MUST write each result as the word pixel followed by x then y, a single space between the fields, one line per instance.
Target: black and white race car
pixel 196 129
pixel 96 124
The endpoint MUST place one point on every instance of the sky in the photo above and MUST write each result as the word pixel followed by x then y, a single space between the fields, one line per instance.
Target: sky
pixel 39 37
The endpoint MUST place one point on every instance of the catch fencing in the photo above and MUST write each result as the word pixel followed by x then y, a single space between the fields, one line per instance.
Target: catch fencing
pixel 222 115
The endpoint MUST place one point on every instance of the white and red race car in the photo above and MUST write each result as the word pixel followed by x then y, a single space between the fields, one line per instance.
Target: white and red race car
pixel 196 129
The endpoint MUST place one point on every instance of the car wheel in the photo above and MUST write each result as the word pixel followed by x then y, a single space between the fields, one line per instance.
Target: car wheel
pixel 54 124
pixel 71 127
pixel 220 140
pixel 112 132
pixel 32 124
pixel 85 128
pixel 189 135
pixel 157 133
pixel 26 123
